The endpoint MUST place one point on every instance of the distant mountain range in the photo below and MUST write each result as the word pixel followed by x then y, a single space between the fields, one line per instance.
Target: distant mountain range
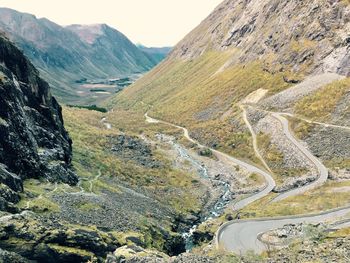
pixel 65 55
pixel 155 54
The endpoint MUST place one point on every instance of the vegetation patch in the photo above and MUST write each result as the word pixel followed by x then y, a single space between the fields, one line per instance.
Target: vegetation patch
pixel 320 105
pixel 98 90
pixel 88 206
pixel 72 250
pixel 90 107
pixel 321 199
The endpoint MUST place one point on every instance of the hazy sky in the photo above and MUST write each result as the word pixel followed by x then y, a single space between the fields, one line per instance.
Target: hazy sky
pixel 150 22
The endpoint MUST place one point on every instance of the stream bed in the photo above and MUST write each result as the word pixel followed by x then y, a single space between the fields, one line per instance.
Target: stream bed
pixel 217 208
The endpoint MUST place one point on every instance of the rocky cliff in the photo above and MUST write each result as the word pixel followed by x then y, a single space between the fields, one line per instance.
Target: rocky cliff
pixel 311 36
pixel 33 141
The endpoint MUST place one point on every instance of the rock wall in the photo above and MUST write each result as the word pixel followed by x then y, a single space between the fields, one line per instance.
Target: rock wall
pixel 33 141
pixel 308 36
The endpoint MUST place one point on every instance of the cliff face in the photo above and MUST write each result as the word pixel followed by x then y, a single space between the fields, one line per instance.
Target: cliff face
pixel 33 141
pixel 311 36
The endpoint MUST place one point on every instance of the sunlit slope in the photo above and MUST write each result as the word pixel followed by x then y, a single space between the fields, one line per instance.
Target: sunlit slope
pixel 241 47
pixel 203 95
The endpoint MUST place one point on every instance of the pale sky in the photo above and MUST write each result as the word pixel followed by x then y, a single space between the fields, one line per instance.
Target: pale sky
pixel 149 22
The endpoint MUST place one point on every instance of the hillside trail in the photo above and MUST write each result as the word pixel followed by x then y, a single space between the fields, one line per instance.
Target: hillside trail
pixel 322 171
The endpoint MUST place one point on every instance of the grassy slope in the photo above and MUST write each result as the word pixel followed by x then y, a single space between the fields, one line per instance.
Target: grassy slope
pixel 91 154
pixel 320 105
pixel 202 95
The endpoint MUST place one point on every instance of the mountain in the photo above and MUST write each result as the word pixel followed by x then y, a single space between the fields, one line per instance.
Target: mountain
pixel 65 55
pixel 244 127
pixel 241 47
pixel 155 53
pixel 112 49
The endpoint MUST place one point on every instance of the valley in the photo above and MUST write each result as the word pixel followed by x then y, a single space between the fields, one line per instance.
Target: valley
pixel 97 91
pixel 234 146
pixel 69 55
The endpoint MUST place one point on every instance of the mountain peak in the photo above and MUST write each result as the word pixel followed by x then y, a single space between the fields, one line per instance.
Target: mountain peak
pixel 87 33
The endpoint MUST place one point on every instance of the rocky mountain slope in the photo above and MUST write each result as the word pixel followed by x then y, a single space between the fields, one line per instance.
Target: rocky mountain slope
pixel 33 141
pixel 313 35
pixel 111 50
pixel 243 46
pixel 65 55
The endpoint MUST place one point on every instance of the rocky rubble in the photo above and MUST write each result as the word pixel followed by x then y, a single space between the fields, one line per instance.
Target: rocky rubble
pixel 292 232
pixel 134 149
pixel 294 182
pixel 340 174
pixel 335 143
pixel 331 250
pixel 135 254
pixel 110 210
pixel 341 115
pixel 287 98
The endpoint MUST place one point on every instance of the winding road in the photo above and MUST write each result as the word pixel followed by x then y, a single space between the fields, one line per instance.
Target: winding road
pixel 270 183
pixel 327 125
pixel 242 236
pixel 255 141
pixel 322 170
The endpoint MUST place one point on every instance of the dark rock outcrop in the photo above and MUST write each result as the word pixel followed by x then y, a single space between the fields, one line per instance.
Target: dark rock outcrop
pixel 43 240
pixel 33 141
pixel 133 149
